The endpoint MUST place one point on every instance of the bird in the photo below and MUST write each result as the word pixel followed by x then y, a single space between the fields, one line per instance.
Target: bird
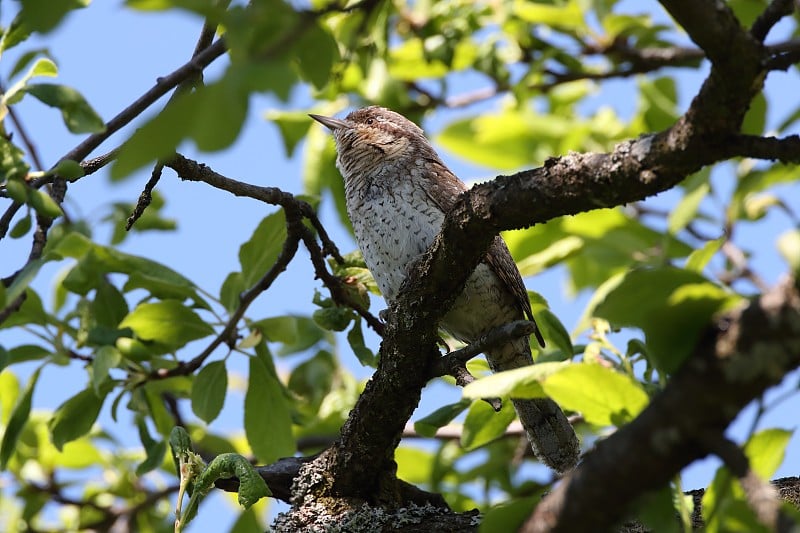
pixel 397 192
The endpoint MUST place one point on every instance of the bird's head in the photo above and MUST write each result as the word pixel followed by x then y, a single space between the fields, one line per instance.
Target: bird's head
pixel 370 137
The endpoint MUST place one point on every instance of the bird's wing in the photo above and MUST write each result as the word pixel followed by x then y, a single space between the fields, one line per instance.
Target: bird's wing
pixel 444 191
pixel 499 259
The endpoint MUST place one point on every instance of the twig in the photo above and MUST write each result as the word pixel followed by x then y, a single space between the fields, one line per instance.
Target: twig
pixel 203 42
pixel 775 11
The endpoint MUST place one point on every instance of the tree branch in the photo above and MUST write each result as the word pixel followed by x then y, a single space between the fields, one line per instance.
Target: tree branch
pixel 745 352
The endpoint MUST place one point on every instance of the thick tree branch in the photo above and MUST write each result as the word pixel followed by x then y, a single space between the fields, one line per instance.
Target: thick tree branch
pixel 746 351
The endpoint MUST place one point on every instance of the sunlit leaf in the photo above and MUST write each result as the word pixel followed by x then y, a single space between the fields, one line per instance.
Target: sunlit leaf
pixel 17 420
pixel 428 425
pixel 484 425
pixel 789 248
pixel 671 305
pixel 261 251
pixel 522 382
pixel 168 322
pixel 604 397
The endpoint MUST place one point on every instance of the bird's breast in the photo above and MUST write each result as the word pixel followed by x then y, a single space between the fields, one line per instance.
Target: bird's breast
pixel 394 223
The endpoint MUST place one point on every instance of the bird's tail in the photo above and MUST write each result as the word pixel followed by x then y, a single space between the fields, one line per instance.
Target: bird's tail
pixel 551 435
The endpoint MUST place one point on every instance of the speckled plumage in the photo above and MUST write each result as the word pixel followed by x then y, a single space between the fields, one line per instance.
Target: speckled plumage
pixel 397 193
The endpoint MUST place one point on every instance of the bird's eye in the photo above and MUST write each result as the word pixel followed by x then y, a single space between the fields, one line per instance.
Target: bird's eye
pixel 370 121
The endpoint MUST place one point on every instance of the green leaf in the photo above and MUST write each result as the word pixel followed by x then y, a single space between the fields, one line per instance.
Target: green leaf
pixel 696 188
pixel 725 507
pixel 315 54
pixel 108 306
pixel 231 289
pixel 259 253
pixel 657 511
pixel 484 425
pixel 42 67
pixel 789 248
pixel 557 252
pixel 520 383
pixel 43 203
pixel 68 169
pixel 671 306
pixel 157 139
pixel 756 117
pixel 508 516
pixel 319 170
pixel 293 125
pixel 5 357
pixel 428 425
pixel 154 457
pixel 105 358
pixel 19 416
pixel 658 103
pixel 198 6
pixel 39 200
pixel 414 465
pixel 505 142
pixel 334 318
pixel 603 396
pixel 208 391
pixel 565 16
pixel 766 451
pixel 21 227
pixel 45 15
pixel 13 166
pixel 247 522
pixel 699 259
pixel 252 486
pixel 267 423
pixel 311 380
pixel 355 337
pixel 31 312
pixel 296 333
pixel 168 322
pixel 224 106
pixel 554 332
pixel 610 242
pixel 95 260
pixel 15 34
pixel 78 115
pixel 75 417
pixel 23 279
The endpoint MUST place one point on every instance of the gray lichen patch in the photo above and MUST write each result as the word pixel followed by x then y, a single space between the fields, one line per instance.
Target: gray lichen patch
pixel 317 517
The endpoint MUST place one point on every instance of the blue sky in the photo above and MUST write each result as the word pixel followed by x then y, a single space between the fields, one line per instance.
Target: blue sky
pixel 112 55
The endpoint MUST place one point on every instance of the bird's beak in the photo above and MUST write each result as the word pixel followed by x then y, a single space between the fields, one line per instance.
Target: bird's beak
pixel 331 123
